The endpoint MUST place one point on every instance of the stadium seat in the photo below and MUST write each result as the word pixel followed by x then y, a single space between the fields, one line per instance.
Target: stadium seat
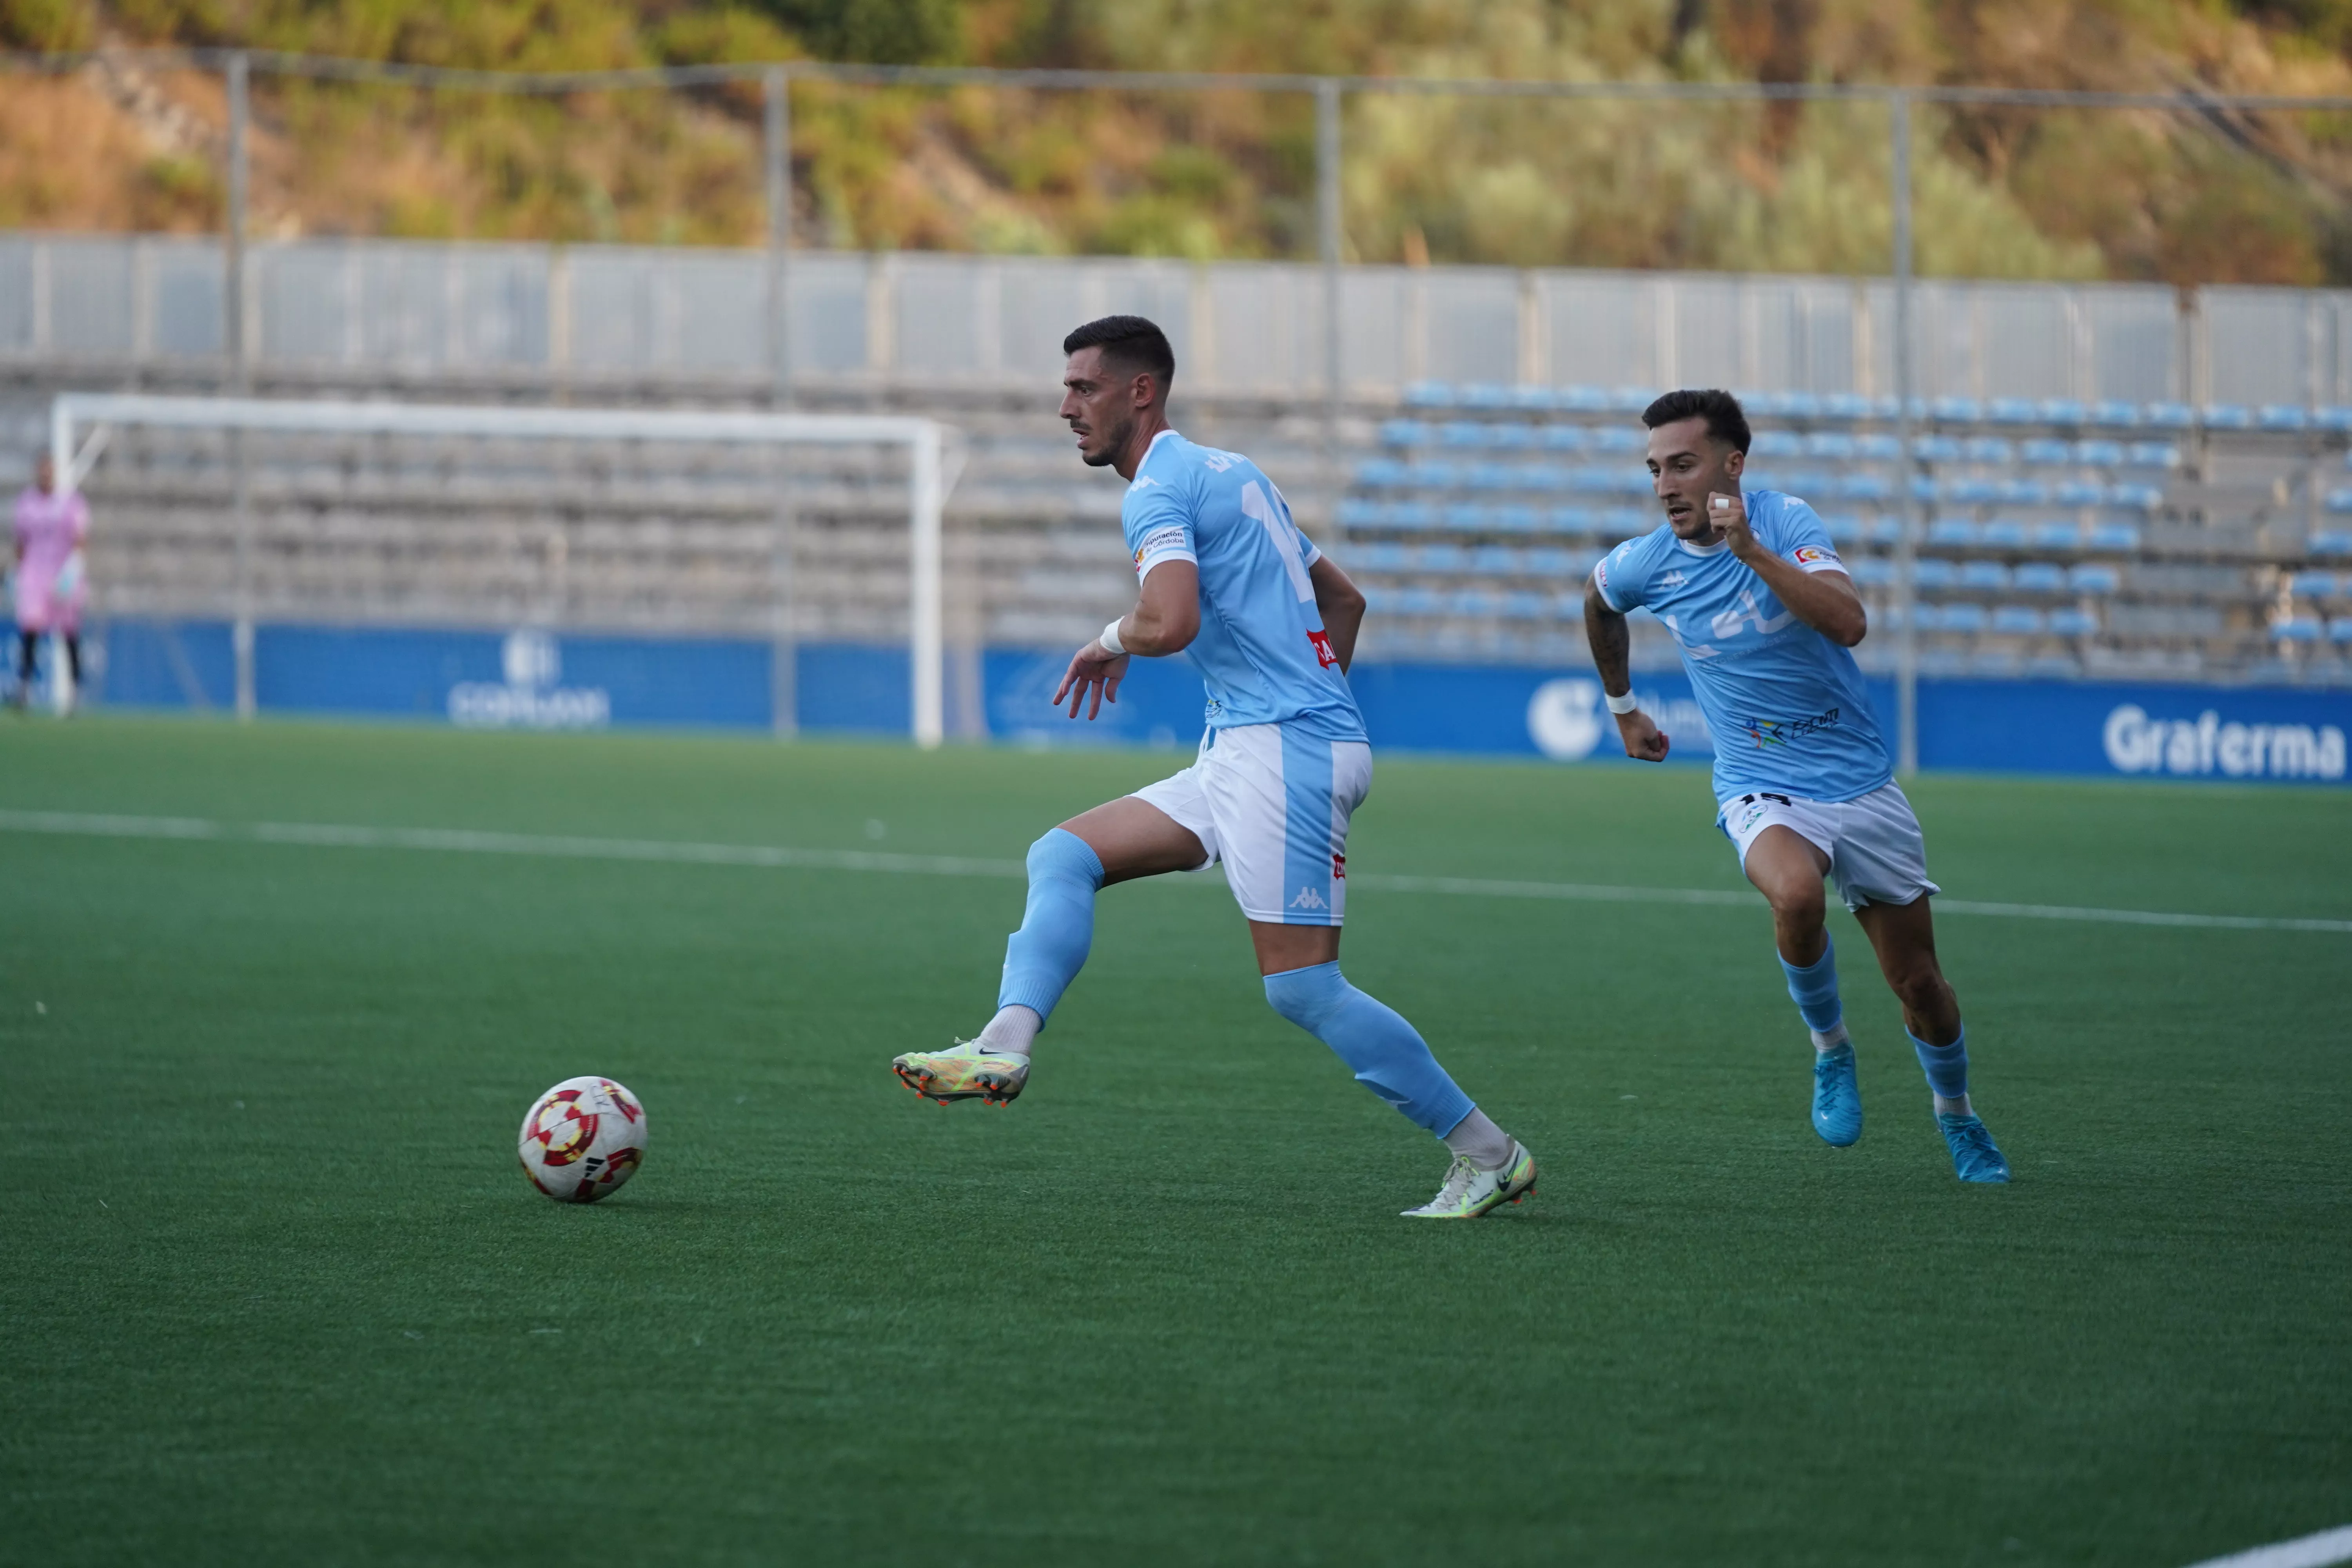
pixel 1580 399
pixel 1431 476
pixel 1932 571
pixel 1957 410
pixel 2298 629
pixel 2094 579
pixel 1463 518
pixel 1527 606
pixel 1495 561
pixel 1988 449
pixel 1573 520
pixel 1962 617
pixel 2039 577
pixel 1887 530
pixel 2053 667
pixel 2332 418
pixel 2017 620
pixel 1533 398
pixel 1631 399
pixel 1548 560
pixel 2023 493
pixel 2057 536
pixel 1973 492
pixel 1429 394
pixel 2144 498
pixel 2002 534
pixel 2168 416
pixel 2078 492
pixel 2065 411
pixel 1829 444
pixel 1989 576
pixel 2340 630
pixel 1859 487
pixel 2229 416
pixel 2099 454
pixel 1412 514
pixel 1776 444
pixel 1403 433
pixel 2313 584
pixel 1418 602
pixel 2044 450
pixel 2110 412
pixel 1952 533
pixel 1517 518
pixel 1494 477
pixel 1384 556
pixel 1845 405
pixel 1618 438
pixel 1565 438
pixel 1355 513
pixel 2282 417
pixel 1441 558
pixel 1464 433
pixel 1379 472
pixel 1878 448
pixel 1843 529
pixel 1872 570
pixel 2073 623
pixel 2012 411
pixel 1482 395
pixel 2114 536
pixel 1937 449
pixel 2340 500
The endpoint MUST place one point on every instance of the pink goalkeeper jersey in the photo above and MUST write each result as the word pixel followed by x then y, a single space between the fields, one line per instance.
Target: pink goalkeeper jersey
pixel 49 529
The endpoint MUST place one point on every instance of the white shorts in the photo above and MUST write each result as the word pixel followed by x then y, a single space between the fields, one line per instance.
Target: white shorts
pixel 1273 804
pixel 1878 855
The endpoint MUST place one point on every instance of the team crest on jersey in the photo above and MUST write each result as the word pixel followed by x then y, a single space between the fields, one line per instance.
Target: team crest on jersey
pixel 1323 654
pixel 1338 867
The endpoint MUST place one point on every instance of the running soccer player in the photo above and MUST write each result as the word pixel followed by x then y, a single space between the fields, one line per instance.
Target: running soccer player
pixel 1764 613
pixel 1228 580
pixel 50 529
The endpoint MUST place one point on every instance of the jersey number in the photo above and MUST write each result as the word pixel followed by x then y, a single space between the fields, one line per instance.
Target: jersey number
pixel 1273 517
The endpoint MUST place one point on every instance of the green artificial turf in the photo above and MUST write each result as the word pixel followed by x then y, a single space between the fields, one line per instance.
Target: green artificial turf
pixel 273 1289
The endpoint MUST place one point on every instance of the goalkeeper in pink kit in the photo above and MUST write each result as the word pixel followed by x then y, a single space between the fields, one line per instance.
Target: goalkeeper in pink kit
pixel 50 529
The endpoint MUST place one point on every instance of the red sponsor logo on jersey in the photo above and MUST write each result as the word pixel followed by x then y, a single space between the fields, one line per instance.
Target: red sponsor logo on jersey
pixel 1323 654
pixel 1806 555
pixel 1338 867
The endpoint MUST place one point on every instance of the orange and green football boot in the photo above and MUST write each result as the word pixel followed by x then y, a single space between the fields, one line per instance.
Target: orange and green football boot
pixel 1470 1191
pixel 967 1071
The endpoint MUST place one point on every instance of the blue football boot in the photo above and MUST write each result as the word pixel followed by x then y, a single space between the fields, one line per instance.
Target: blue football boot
pixel 1837 1098
pixel 1975 1156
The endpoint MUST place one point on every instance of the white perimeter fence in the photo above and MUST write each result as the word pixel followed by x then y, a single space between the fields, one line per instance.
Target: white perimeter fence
pixel 621 315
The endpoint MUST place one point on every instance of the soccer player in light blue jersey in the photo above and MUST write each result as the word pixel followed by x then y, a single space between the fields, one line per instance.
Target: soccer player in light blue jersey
pixel 1764 613
pixel 1228 580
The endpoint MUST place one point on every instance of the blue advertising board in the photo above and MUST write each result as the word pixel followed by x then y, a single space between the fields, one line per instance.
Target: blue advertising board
pixel 539 680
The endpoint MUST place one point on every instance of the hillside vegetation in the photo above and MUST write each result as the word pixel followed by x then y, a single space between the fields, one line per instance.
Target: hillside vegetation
pixel 2188 197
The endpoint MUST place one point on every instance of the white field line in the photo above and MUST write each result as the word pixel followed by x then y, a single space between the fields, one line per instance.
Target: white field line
pixel 467 841
pixel 2306 1551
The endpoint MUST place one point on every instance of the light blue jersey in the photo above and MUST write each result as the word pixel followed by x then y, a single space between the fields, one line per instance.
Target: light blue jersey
pixel 1261 651
pixel 1786 705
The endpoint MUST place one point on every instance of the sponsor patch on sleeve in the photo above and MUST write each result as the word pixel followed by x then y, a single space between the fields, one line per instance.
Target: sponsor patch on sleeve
pixel 1817 558
pixel 1168 543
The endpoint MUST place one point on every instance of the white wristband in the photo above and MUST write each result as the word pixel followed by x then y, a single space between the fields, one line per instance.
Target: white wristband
pixel 1109 639
pixel 1625 704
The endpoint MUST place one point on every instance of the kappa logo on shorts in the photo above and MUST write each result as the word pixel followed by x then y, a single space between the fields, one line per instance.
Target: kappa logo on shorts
pixel 1338 867
pixel 1309 899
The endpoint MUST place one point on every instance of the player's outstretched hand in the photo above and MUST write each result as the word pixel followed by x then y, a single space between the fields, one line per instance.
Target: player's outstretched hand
pixel 1094 668
pixel 1644 742
pixel 1728 514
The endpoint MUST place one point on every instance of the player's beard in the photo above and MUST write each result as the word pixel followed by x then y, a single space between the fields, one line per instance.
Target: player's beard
pixel 1117 437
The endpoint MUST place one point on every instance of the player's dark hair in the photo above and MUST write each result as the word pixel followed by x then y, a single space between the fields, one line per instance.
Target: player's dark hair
pixel 1726 420
pixel 1129 343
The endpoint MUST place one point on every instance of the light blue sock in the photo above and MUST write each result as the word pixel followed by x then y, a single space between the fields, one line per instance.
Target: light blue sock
pixel 1388 1054
pixel 1058 928
pixel 1813 989
pixel 1946 1067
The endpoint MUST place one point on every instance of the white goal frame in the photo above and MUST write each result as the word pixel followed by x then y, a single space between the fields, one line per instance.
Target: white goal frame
pixel 927 442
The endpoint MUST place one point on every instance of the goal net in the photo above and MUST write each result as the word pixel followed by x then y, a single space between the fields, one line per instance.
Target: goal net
pixel 262 514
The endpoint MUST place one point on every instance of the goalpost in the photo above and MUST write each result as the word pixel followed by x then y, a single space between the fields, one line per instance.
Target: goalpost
pixel 925 441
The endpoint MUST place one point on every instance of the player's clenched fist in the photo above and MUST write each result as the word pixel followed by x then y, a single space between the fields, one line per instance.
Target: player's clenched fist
pixel 1728 514
pixel 1644 742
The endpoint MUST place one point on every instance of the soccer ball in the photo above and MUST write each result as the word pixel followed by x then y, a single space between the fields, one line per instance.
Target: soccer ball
pixel 582 1139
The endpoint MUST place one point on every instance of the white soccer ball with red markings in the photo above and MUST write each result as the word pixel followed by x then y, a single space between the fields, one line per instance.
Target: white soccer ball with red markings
pixel 582 1139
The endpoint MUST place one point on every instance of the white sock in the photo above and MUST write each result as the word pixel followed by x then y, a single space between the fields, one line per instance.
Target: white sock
pixel 1488 1145
pixel 1831 1041
pixel 1960 1107
pixel 1009 1032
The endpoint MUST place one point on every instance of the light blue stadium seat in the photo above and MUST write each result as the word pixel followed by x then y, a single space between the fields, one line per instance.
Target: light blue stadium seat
pixel 1860 487
pixel 1511 435
pixel 2094 579
pixel 2332 418
pixel 1548 560
pixel 1936 448
pixel 1495 560
pixel 1629 521
pixel 2339 630
pixel 2110 412
pixel 1573 520
pixel 1482 395
pixel 1429 394
pixel 2282 417
pixel 2039 577
pixel 2146 498
pixel 1383 556
pixel 1461 433
pixel 2017 620
pixel 2012 411
pixel 1972 492
pixel 1412 515
pixel 1761 405
pixel 1988 449
pixel 1378 473
pixel 1987 577
pixel 1419 602
pixel 1832 444
pixel 1441 558
pixel 1952 533
pixel 2229 416
pixel 1631 399
pixel 1803 406
pixel 2022 492
pixel 2099 454
pixel 1493 477
pixel 2313 584
pixel 2053 667
pixel 1879 448
pixel 1962 617
pixel 1571 607
pixel 2114 536
pixel 2073 623
pixel 2340 500
pixel 1887 529
pixel 1957 410
pixel 2002 534
pixel 1403 433
pixel 2168 416
pixel 2043 450
pixel 1463 518
pixel 1535 399
pixel 1933 571
pixel 1843 529
pixel 1357 513
pixel 1619 438
pixel 1776 444
pixel 2299 629
pixel 2078 492
pixel 1924 617
pixel 1845 405
pixel 2065 411
pixel 1432 475
pixel 1475 604
pixel 1565 438
pixel 1872 570
pixel 1582 399
pixel 1525 607
pixel 1517 518
pixel 2057 536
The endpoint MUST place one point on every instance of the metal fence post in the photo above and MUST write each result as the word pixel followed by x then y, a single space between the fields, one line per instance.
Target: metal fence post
pixel 783 660
pixel 240 373
pixel 1907 550
pixel 1327 226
